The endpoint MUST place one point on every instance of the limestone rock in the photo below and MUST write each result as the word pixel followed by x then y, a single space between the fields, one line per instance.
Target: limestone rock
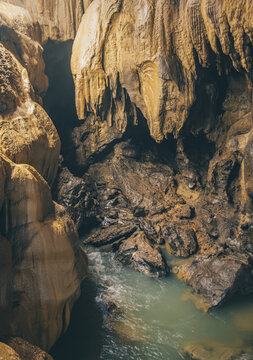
pixel 72 193
pixel 25 350
pixel 27 133
pixel 180 241
pixel 137 252
pixel 27 52
pixel 164 90
pixel 131 55
pixel 44 243
pixel 110 234
pixel 215 279
pixel 211 350
pixel 6 352
pixel 56 20
pixel 42 264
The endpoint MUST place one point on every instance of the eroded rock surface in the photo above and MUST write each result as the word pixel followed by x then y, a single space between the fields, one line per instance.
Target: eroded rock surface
pixel 148 55
pixel 164 92
pixel 24 350
pixel 216 278
pixel 208 350
pixel 73 193
pixel 42 264
pixel 42 20
pixel 137 253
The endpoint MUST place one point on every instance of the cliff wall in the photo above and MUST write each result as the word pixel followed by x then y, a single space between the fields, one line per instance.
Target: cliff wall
pixel 42 264
pixel 164 89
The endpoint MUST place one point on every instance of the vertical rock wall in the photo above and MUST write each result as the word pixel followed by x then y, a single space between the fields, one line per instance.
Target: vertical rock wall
pixel 164 92
pixel 41 261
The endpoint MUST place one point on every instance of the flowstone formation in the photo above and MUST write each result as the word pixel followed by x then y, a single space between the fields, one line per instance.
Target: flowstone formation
pixel 164 92
pixel 41 263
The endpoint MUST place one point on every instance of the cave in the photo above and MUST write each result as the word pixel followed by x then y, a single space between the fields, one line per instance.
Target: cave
pixel 59 100
pixel 125 180
pixel 199 149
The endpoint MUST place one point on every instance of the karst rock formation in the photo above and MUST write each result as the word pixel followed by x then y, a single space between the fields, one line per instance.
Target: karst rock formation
pixel 41 261
pixel 162 153
pixel 164 89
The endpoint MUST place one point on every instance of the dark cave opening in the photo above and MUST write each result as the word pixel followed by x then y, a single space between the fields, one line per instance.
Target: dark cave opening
pixel 59 101
pixel 198 149
pixel 210 92
pixel 163 152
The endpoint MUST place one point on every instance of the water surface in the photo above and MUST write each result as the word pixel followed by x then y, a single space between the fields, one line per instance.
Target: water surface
pixel 151 320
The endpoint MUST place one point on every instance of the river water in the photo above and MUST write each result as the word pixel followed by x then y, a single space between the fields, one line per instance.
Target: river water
pixel 124 315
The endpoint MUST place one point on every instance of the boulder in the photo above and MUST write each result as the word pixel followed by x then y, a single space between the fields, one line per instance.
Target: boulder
pixel 216 278
pixel 140 255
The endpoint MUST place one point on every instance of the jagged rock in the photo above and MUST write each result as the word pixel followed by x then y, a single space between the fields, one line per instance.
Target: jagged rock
pixel 138 253
pixel 152 62
pixel 25 350
pixel 208 350
pixel 42 20
pixel 179 240
pixel 72 193
pixel 110 234
pixel 40 235
pixel 216 279
pixel 27 133
pixel 42 264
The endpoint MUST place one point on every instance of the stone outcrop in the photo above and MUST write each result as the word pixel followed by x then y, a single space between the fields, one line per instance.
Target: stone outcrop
pixel 74 194
pixel 211 350
pixel 149 56
pixel 19 349
pixel 216 278
pixel 138 253
pixel 42 264
pixel 164 92
pixel 42 20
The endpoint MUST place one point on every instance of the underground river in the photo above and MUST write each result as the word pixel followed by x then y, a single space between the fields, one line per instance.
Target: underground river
pixel 124 315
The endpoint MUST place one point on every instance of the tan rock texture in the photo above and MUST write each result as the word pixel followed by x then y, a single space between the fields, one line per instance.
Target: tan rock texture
pixel 42 265
pixel 148 55
pixel 56 20
pixel 165 92
pixel 27 133
pixel 17 348
pixel 42 275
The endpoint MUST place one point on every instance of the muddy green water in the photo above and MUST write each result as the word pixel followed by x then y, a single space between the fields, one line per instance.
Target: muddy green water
pixel 154 321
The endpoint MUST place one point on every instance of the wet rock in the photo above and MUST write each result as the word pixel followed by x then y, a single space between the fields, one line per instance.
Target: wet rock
pixel 110 234
pixel 184 212
pixel 208 350
pixel 180 241
pixel 25 350
pixel 73 193
pixel 139 254
pixel 214 278
pixel 128 328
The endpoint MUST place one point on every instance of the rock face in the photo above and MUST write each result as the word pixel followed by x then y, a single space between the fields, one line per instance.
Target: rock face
pixel 41 261
pixel 72 193
pixel 164 90
pixel 56 20
pixel 211 350
pixel 137 252
pixel 148 55
pixel 216 278
pixel 17 348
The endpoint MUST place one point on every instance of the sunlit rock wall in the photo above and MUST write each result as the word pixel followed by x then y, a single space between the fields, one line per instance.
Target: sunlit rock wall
pixel 165 92
pixel 54 19
pixel 41 261
pixel 153 52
